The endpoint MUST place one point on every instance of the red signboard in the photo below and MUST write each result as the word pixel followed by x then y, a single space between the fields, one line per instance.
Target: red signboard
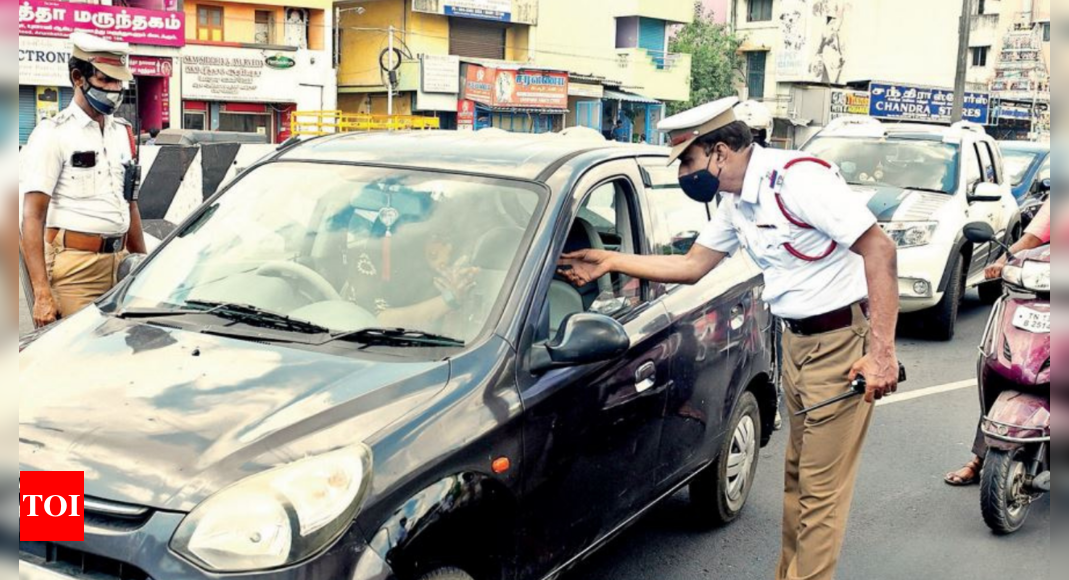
pixel 150 66
pixel 478 84
pixel 522 89
pixel 466 114
pixel 59 19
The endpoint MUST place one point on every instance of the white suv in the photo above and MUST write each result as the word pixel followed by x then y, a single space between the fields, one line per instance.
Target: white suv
pixel 925 183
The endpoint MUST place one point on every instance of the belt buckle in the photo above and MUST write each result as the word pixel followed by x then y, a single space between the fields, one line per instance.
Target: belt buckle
pixel 113 245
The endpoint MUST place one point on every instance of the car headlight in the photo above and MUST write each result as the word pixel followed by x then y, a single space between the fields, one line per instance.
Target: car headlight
pixel 278 518
pixel 911 234
pixel 1034 276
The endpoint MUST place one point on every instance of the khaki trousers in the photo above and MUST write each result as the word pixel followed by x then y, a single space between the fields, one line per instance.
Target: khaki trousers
pixel 824 451
pixel 79 278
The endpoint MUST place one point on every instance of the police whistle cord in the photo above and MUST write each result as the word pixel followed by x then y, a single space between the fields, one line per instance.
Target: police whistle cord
pixel 858 388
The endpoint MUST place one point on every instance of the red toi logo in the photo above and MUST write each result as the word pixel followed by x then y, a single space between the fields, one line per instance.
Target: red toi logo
pixel 52 506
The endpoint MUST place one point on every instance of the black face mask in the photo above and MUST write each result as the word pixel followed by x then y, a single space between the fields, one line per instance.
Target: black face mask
pixel 701 186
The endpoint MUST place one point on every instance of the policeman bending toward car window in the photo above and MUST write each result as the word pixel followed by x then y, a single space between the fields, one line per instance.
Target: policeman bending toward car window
pixel 80 215
pixel 829 270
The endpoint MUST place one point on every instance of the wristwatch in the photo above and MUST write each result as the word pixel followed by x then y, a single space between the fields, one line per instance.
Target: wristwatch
pixel 450 299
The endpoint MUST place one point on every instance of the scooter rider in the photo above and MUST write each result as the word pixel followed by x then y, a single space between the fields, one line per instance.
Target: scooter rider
pixel 1038 234
pixel 827 265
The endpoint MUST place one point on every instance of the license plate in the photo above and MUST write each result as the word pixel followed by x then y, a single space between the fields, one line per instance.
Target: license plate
pixel 1032 321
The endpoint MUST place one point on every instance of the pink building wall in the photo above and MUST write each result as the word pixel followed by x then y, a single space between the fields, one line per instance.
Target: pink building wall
pixel 720 8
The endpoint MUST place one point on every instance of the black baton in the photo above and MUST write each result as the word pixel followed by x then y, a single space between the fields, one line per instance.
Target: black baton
pixel 857 389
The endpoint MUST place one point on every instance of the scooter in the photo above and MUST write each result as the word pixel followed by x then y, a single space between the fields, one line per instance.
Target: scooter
pixel 1014 381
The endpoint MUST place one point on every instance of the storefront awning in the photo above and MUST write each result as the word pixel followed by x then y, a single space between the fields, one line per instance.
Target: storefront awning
pixel 611 95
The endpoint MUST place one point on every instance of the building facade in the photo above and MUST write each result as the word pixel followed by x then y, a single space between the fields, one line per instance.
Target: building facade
pixel 814 60
pixel 155 30
pixel 248 65
pixel 518 65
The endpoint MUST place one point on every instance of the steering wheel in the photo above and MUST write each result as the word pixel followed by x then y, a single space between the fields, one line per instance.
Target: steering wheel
pixel 303 274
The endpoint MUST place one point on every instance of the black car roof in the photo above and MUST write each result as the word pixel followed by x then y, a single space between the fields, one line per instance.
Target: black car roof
pixel 492 152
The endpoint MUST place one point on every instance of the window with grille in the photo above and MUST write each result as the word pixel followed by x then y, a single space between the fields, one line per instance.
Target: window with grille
pixel 755 74
pixel 265 27
pixel 210 23
pixel 760 11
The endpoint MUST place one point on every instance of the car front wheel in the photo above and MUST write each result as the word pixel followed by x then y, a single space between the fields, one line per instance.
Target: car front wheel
pixel 719 494
pixel 943 318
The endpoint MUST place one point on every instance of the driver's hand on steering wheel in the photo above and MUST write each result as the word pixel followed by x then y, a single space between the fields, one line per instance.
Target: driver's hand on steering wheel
pixel 457 281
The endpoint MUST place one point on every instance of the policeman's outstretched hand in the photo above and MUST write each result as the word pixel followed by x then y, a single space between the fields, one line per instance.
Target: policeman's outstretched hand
pixel 45 311
pixel 881 372
pixel 586 266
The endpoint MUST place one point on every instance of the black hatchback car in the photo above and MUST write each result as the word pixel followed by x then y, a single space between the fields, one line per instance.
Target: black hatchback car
pixel 359 361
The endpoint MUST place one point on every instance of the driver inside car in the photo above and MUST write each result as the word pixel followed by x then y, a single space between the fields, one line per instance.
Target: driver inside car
pixel 411 285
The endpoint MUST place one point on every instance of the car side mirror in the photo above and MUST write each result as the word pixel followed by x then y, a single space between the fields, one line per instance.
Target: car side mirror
pixel 986 192
pixel 979 233
pixel 128 265
pixel 583 339
pixel 1043 186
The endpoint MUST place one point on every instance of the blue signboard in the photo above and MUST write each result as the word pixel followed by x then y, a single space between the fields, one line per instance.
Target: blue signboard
pixel 480 13
pixel 924 104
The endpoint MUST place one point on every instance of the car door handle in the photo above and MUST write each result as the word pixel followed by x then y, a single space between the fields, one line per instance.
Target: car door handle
pixel 645 377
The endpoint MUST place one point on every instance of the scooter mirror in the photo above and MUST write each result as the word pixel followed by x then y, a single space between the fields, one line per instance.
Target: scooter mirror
pixel 979 233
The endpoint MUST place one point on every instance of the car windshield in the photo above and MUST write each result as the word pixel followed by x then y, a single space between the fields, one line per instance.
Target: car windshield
pixel 1019 163
pixel 905 164
pixel 349 249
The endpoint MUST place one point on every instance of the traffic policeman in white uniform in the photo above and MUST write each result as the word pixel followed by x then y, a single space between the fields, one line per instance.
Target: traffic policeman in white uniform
pixel 78 222
pixel 830 274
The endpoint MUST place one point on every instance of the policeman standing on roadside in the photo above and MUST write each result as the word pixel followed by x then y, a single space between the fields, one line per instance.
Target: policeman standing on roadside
pixel 830 274
pixel 80 214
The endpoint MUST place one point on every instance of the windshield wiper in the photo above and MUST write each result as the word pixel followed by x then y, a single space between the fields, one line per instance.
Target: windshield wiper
pixel 928 190
pixel 256 316
pixel 397 337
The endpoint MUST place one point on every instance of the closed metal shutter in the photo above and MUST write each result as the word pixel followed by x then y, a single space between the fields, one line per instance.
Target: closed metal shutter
pixel 476 39
pixel 652 36
pixel 27 112
pixel 28 109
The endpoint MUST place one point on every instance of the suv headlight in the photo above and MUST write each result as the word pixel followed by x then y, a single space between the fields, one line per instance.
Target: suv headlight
pixel 1034 276
pixel 911 234
pixel 277 518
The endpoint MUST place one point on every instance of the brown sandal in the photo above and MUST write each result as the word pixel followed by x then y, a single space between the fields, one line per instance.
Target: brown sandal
pixel 966 476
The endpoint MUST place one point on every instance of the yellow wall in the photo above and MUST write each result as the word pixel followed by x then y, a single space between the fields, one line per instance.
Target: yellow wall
pixel 375 104
pixel 239 20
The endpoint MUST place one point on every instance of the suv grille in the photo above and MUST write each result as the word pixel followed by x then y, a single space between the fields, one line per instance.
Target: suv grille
pixel 77 564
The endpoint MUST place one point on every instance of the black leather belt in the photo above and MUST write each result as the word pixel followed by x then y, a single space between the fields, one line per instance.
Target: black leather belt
pixel 825 323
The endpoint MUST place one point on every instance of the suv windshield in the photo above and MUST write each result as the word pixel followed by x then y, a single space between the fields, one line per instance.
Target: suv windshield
pixel 349 249
pixel 905 164
pixel 1019 163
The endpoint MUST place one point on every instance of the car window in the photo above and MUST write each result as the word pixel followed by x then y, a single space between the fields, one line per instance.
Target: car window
pixel 986 163
pixel 1017 164
pixel 350 248
pixel 900 163
pixel 676 219
pixel 974 171
pixel 607 219
pixel 996 162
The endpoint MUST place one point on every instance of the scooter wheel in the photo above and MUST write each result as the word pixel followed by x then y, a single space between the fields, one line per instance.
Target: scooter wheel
pixel 1003 500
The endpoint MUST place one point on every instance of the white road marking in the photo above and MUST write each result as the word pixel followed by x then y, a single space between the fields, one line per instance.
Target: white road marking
pixel 921 393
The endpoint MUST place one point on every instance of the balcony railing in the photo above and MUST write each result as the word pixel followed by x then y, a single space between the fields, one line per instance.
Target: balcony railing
pixel 661 60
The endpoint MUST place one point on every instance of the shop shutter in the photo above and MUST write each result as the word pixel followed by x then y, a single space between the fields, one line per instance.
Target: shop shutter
pixel 652 36
pixel 66 95
pixel 476 39
pixel 27 112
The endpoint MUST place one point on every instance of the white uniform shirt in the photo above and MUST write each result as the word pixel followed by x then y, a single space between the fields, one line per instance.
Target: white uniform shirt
pixel 795 288
pixel 85 200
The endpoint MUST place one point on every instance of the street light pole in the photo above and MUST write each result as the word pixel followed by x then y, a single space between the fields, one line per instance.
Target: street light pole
pixel 389 78
pixel 963 61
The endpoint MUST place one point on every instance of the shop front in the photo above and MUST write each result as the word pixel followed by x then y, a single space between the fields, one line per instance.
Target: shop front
pixel 513 99
pixel 248 90
pixel 45 88
pixel 631 118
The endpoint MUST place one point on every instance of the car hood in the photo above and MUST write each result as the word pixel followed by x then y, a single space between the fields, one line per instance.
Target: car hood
pixel 894 204
pixel 164 418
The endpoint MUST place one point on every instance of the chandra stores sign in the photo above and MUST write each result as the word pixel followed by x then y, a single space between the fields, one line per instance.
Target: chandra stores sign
pixel 523 88
pixel 59 19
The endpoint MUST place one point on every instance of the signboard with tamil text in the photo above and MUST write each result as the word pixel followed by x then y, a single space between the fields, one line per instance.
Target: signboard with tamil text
pixel 237 75
pixel 440 74
pixel 516 88
pixel 53 19
pixel 846 103
pixel 516 11
pixel 925 104
pixel 43 62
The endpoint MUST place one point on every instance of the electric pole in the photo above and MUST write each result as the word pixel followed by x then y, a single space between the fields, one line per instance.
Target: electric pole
pixel 963 61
